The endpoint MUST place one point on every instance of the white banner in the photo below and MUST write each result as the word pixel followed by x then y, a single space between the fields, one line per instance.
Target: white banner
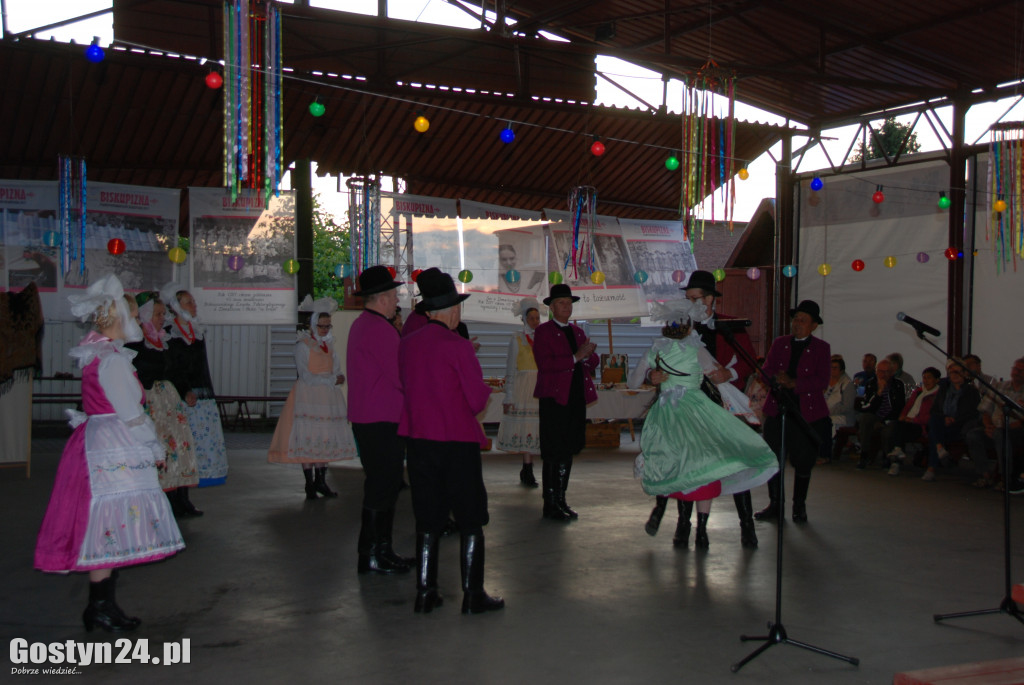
pixel 482 210
pixel 238 256
pixel 840 224
pixel 418 205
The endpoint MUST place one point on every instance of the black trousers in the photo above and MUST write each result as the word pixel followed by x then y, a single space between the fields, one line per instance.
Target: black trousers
pixel 447 476
pixel 800 448
pixel 382 453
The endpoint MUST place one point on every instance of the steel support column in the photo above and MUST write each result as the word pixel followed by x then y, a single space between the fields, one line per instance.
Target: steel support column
pixel 957 307
pixel 785 241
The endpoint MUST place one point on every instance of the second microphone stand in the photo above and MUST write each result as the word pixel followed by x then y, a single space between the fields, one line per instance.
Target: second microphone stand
pixel 790 409
pixel 1010 408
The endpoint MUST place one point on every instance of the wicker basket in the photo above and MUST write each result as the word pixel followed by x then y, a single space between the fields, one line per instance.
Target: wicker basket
pixel 604 434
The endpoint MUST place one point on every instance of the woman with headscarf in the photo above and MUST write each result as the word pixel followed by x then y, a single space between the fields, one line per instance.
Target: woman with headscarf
pixel 313 428
pixel 165 406
pixel 107 509
pixel 693 450
pixel 189 371
pixel 519 431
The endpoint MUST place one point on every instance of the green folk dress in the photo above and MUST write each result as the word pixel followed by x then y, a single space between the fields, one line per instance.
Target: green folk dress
pixel 688 442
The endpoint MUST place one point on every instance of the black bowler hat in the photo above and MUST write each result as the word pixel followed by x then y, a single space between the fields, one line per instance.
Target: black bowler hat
pixel 560 290
pixel 376 279
pixel 438 291
pixel 809 307
pixel 705 280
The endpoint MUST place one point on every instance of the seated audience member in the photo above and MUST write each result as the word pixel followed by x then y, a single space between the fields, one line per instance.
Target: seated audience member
pixel 866 373
pixel 996 426
pixel 839 396
pixel 956 404
pixel 978 433
pixel 913 419
pixel 882 402
pixel 897 364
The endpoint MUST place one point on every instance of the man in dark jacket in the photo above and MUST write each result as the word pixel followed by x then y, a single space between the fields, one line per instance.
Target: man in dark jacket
pixel 882 402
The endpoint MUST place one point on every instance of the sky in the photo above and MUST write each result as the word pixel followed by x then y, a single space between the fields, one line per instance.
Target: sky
pixel 27 14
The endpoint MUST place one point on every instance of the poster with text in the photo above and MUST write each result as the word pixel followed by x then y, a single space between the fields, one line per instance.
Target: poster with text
pixel 238 253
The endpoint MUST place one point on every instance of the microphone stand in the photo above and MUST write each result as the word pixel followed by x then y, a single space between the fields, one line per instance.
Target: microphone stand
pixel 789 409
pixel 1007 606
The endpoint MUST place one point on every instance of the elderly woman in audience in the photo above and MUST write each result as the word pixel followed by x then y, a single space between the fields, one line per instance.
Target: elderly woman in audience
pixel 882 402
pixel 913 419
pixel 956 403
pixel 839 396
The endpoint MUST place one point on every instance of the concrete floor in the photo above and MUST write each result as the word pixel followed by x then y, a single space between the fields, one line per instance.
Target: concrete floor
pixel 267 589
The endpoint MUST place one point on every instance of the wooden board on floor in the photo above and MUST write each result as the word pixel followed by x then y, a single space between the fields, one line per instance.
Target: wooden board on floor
pixel 1001 672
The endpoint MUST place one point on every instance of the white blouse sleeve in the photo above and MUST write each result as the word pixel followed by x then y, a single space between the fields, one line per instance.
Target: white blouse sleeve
pixel 123 391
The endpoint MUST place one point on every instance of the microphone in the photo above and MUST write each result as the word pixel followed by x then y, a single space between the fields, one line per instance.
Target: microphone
pixel 732 324
pixel 919 326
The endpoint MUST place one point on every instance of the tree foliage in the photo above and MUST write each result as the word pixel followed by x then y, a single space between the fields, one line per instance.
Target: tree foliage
pixel 886 141
pixel 330 248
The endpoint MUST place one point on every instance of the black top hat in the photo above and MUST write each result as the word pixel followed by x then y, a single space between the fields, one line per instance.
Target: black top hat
pixel 705 280
pixel 809 307
pixel 438 291
pixel 560 290
pixel 376 279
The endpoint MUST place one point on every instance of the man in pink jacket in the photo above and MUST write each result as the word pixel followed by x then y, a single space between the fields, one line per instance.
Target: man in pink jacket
pixel 374 407
pixel 802 365
pixel 565 361
pixel 444 390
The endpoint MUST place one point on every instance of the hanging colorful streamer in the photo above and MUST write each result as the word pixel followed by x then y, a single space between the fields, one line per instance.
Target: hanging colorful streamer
pixel 253 113
pixel 71 189
pixel 364 223
pixel 708 144
pixel 1006 221
pixel 583 208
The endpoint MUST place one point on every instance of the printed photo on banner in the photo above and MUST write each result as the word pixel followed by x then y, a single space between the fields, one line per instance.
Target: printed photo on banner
pixel 242 256
pixel 28 233
pixel 660 250
pixel 521 262
pixel 128 231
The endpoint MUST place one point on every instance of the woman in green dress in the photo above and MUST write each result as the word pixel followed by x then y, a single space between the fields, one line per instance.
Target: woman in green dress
pixel 692 449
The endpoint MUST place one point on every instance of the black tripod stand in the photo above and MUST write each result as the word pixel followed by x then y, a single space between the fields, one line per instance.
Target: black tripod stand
pixel 789 408
pixel 1010 408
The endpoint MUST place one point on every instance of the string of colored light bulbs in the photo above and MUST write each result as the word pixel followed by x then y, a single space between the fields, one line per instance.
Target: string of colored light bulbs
pixel 505 122
pixel 726 163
